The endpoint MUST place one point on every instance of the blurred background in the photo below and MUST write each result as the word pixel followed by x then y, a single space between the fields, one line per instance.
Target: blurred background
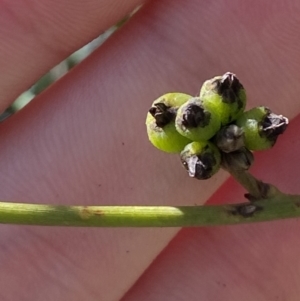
pixel 61 69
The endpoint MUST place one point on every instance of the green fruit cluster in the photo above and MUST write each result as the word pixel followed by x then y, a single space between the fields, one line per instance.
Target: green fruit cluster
pixel 205 127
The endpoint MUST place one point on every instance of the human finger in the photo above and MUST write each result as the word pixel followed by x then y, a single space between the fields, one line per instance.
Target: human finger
pixel 71 141
pixel 254 261
pixel 35 36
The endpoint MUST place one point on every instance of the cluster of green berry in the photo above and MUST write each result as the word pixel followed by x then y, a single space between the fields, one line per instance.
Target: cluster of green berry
pixel 204 128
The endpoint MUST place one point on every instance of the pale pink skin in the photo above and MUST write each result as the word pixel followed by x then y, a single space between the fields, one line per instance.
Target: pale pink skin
pixel 62 150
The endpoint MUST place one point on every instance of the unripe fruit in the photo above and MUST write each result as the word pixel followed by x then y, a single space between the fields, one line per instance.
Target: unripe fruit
pixel 225 95
pixel 261 127
pixel 201 159
pixel 160 123
pixel 195 121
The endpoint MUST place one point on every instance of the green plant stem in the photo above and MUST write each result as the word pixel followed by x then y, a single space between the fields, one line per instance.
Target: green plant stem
pixel 238 169
pixel 284 206
pixel 255 187
pixel 266 203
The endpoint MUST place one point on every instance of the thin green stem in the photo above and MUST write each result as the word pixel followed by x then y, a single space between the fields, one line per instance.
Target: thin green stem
pixel 255 187
pixel 238 169
pixel 281 207
pixel 266 203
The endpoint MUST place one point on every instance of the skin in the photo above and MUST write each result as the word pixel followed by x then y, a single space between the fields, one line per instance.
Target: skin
pixel 66 148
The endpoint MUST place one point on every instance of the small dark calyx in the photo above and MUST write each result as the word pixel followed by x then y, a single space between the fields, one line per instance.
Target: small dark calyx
pixel 273 125
pixel 229 138
pixel 240 159
pixel 199 166
pixel 229 87
pixel 195 116
pixel 163 114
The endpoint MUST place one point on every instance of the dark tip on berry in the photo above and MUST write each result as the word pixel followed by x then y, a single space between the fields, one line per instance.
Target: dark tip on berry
pixel 233 132
pixel 162 114
pixel 229 87
pixel 273 125
pixel 230 138
pixel 199 166
pixel 194 115
pixel 240 103
pixel 230 81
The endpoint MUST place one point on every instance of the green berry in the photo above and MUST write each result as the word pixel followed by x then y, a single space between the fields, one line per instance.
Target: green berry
pixel 195 121
pixel 201 159
pixel 261 127
pixel 226 95
pixel 160 123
